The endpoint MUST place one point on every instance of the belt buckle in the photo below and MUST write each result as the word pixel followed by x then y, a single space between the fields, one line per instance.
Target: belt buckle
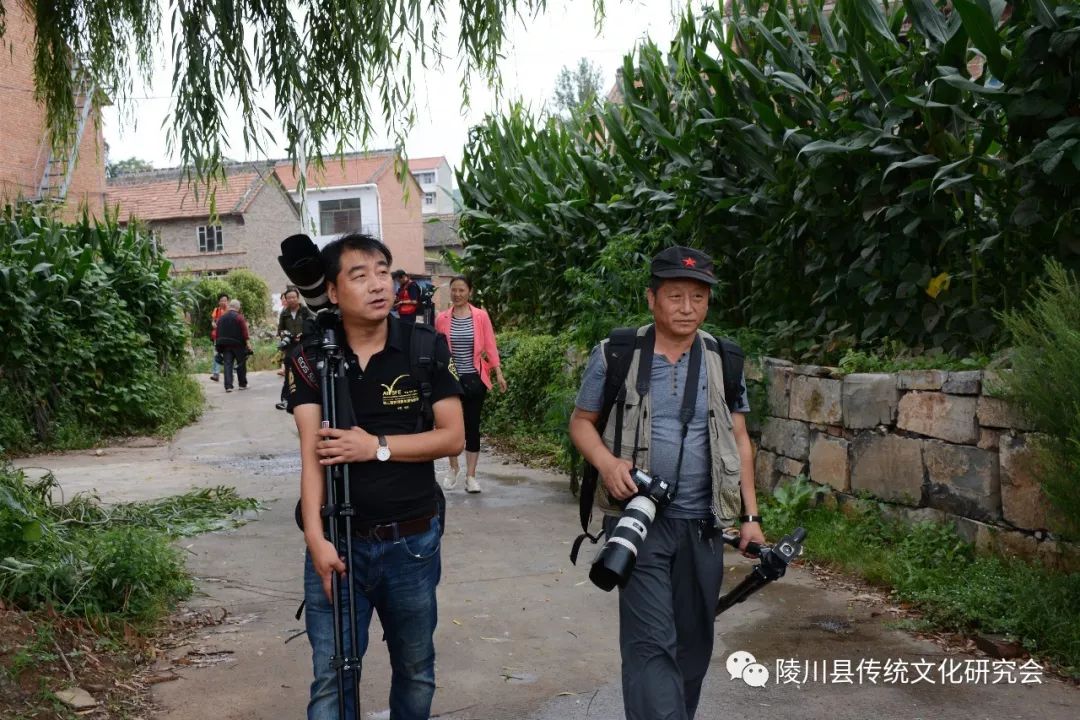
pixel 394 526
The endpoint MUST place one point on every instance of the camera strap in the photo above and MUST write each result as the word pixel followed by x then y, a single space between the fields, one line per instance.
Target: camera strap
pixel 689 402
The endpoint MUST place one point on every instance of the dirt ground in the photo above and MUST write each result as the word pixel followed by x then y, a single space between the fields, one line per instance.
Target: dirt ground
pixel 522 633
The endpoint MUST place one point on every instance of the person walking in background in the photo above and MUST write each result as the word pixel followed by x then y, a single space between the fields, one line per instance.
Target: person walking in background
pixel 290 330
pixel 220 309
pixel 407 297
pixel 233 344
pixel 472 344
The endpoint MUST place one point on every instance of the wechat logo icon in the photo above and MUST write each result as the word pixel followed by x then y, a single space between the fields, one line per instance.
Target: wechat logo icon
pixel 742 665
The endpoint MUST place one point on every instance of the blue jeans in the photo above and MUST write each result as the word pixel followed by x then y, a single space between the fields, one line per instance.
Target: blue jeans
pixel 396 579
pixel 215 366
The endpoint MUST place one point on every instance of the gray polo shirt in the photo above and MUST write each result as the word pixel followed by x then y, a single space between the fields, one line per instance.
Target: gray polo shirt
pixel 666 385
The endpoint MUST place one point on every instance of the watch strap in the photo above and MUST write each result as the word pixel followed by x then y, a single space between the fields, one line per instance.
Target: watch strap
pixel 750 518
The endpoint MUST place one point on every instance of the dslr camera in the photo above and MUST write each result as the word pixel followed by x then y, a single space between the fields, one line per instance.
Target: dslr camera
pixel 615 561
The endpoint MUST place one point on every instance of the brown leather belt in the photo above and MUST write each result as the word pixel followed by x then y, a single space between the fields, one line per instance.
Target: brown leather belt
pixel 393 531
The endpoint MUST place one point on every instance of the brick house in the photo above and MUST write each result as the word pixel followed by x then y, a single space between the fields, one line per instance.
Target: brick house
pixel 30 169
pixel 436 180
pixel 255 214
pixel 361 191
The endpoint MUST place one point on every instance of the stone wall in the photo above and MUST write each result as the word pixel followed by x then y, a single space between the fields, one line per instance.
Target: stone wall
pixel 931 444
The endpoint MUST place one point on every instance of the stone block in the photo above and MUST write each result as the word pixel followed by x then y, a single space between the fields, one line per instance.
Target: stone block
pixel 888 467
pixel 1010 543
pixel 973 532
pixel 965 382
pixel 947 417
pixel 790 438
pixel 912 516
pixel 817 400
pixel 1023 502
pixel 765 471
pixel 963 480
pixel 1061 556
pixel 921 379
pixel 753 370
pixel 778 389
pixel 997 413
pixel 989 439
pixel 821 371
pixel 869 400
pixel 829 462
pixel 790 467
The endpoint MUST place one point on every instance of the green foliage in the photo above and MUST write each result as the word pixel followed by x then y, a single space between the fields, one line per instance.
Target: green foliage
pixel 892 357
pixel 309 57
pixel 929 566
pixel 87 559
pixel 93 333
pixel 127 166
pixel 532 416
pixel 852 184
pixel 1045 383
pixel 201 297
pixel 578 88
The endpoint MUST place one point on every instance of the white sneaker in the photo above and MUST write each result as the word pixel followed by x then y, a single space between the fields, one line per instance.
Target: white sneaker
pixel 449 480
pixel 471 485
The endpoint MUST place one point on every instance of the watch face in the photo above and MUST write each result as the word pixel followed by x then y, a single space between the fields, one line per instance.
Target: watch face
pixel 383 453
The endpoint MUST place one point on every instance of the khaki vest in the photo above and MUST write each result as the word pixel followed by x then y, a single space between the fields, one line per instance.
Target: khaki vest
pixel 725 466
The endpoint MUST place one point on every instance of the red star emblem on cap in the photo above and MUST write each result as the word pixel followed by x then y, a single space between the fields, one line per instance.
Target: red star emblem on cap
pixel 689 262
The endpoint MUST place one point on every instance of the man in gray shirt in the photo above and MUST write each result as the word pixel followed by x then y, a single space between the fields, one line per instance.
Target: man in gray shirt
pixel 667 608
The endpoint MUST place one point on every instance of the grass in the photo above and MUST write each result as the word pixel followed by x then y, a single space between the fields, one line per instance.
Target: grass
pixel 935 571
pixel 266 357
pixel 107 562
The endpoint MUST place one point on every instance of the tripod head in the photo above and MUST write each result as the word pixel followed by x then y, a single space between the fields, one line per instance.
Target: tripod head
pixel 774 562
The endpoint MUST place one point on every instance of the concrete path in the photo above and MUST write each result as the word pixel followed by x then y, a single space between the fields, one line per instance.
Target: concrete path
pixel 522 633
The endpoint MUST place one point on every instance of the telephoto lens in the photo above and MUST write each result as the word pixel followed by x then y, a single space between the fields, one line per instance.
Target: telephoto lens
pixel 615 561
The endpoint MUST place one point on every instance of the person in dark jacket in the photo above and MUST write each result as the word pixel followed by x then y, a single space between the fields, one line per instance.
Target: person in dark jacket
pixel 233 344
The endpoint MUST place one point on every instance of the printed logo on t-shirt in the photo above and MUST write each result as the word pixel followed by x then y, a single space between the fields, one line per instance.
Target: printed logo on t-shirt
pixel 393 396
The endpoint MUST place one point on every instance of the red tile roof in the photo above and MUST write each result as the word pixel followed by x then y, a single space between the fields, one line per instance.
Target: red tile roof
pixel 352 169
pixel 426 163
pixel 166 195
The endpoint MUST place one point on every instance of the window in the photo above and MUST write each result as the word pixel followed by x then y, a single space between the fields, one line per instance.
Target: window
pixel 426 178
pixel 429 199
pixel 210 238
pixel 339 216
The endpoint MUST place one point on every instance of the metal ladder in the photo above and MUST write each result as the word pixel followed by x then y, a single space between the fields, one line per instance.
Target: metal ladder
pixel 59 168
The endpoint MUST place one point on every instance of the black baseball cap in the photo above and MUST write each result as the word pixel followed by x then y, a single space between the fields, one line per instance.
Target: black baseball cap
pixel 683 262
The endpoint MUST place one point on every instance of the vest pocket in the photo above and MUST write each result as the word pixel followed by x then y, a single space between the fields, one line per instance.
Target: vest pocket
pixel 730 500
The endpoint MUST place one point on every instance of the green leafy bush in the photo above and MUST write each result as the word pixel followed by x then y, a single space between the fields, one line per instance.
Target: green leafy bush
pixel 201 297
pixel 889 170
pixel 85 559
pixel 1045 383
pixel 93 333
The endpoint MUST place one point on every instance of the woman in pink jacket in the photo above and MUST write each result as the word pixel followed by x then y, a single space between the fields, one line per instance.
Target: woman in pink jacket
pixel 472 345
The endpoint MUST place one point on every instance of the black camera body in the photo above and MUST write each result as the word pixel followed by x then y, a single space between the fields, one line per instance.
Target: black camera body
pixel 616 559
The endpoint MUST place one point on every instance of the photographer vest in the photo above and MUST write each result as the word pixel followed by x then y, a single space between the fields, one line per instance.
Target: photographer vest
pixel 625 423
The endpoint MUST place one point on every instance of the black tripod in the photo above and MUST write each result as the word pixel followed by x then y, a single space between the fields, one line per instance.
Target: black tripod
pixel 337 412
pixel 773 565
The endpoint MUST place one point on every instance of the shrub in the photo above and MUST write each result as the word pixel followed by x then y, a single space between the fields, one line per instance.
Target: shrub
pixel 92 332
pixel 1045 383
pixel 201 295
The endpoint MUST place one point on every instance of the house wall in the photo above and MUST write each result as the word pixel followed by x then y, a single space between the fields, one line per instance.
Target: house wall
pixel 268 220
pixel 403 223
pixel 369 209
pixel 442 187
pixel 23 131
pixel 181 243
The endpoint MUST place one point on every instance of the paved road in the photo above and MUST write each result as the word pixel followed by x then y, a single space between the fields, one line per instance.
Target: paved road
pixel 522 634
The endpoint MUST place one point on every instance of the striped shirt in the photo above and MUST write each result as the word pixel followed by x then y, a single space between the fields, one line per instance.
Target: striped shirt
pixel 461 344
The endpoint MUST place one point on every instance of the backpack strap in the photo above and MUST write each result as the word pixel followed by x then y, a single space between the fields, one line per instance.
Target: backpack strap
pixel 422 368
pixel 618 353
pixel 732 360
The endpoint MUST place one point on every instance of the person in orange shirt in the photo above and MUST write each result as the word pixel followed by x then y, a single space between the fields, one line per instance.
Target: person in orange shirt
pixel 221 309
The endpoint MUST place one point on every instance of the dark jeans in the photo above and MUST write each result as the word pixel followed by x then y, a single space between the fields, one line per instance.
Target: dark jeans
pixel 666 616
pixel 396 579
pixel 471 405
pixel 229 355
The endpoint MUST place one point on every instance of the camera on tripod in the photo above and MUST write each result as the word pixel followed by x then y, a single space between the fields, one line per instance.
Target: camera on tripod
pixel 615 561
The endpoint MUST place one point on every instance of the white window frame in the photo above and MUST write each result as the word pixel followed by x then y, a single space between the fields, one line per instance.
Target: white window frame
pixel 430 199
pixel 427 177
pixel 210 238
pixel 355 205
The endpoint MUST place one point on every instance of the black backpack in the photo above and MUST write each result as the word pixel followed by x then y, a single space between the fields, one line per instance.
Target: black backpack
pixel 619 352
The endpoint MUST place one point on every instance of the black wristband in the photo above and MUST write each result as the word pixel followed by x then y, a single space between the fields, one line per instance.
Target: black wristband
pixel 750 518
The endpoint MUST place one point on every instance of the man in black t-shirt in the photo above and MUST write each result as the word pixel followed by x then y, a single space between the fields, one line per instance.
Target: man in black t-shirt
pixel 392 480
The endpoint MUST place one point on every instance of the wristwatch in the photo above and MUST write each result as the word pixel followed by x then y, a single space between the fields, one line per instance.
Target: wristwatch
pixel 383 453
pixel 750 518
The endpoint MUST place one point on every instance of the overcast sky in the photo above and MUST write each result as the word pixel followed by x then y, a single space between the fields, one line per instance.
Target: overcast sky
pixel 537 50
